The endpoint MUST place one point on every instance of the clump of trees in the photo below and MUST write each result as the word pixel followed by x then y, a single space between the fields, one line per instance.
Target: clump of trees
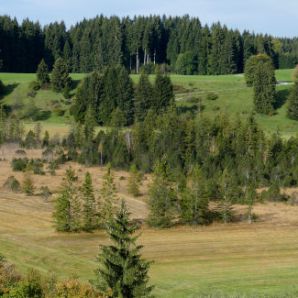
pixel 78 208
pixel 112 99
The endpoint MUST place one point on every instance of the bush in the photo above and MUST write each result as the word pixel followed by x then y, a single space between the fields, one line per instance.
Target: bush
pixel 12 184
pixel 212 96
pixel 45 192
pixel 34 86
pixel 19 164
pixel 28 186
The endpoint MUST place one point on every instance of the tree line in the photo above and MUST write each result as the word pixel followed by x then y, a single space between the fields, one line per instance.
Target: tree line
pixel 182 43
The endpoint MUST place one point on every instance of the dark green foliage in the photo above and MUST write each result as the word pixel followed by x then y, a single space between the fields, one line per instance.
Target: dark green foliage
pixel 60 78
pixel 264 87
pixel 122 272
pixel 143 97
pixel 30 140
pixel 42 74
pixel 293 103
pixel 163 93
pixel 105 94
pixel 2 89
pixel 293 98
pixel 250 67
pixel 141 42
pixel 19 164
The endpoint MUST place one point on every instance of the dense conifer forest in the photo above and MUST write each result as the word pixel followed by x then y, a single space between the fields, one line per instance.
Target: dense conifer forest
pixel 183 44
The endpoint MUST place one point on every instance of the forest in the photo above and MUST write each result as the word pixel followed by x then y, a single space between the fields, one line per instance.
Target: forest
pixel 182 44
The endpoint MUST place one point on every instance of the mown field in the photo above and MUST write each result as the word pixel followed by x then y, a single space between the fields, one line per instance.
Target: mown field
pixel 233 260
pixel 234 99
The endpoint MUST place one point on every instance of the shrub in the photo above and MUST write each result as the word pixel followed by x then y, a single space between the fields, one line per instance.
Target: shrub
pixel 212 96
pixel 12 184
pixel 19 164
pixel 45 192
pixel 34 86
pixel 28 186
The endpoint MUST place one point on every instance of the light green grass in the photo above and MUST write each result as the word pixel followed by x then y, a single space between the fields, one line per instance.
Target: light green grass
pixel 235 98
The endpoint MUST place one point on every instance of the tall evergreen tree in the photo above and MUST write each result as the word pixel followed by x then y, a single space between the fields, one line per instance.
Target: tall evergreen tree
pixel 43 74
pixel 264 87
pixel 89 204
pixel 162 197
pixel 108 197
pixel 60 77
pixel 122 272
pixel 64 211
pixel 163 93
pixel 143 97
pixel 293 98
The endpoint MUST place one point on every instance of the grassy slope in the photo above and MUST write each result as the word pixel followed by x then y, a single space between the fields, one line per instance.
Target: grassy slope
pixel 234 98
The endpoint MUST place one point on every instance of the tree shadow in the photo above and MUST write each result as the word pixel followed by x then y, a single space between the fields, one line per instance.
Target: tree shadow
pixel 281 98
pixel 75 84
pixel 8 89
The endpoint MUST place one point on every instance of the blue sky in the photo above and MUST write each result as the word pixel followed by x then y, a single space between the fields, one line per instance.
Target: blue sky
pixel 266 16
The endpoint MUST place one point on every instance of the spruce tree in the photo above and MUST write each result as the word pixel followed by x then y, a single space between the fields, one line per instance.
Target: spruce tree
pixel 89 206
pixel 108 196
pixel 162 197
pixel 225 207
pixel 63 212
pixel 163 93
pixel 143 97
pixel 293 99
pixel 134 181
pixel 194 200
pixel 264 88
pixel 42 74
pixel 61 80
pixel 122 272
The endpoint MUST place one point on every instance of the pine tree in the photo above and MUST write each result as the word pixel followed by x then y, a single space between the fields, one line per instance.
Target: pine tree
pixel 122 272
pixel 43 74
pixel 89 207
pixel 162 197
pixel 134 181
pixel 108 196
pixel 293 99
pixel 63 213
pixel 60 77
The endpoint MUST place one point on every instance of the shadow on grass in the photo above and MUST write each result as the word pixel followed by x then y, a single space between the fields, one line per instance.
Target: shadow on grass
pixel 281 98
pixel 9 89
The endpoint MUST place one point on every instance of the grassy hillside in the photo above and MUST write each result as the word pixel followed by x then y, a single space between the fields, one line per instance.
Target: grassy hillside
pixel 234 98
